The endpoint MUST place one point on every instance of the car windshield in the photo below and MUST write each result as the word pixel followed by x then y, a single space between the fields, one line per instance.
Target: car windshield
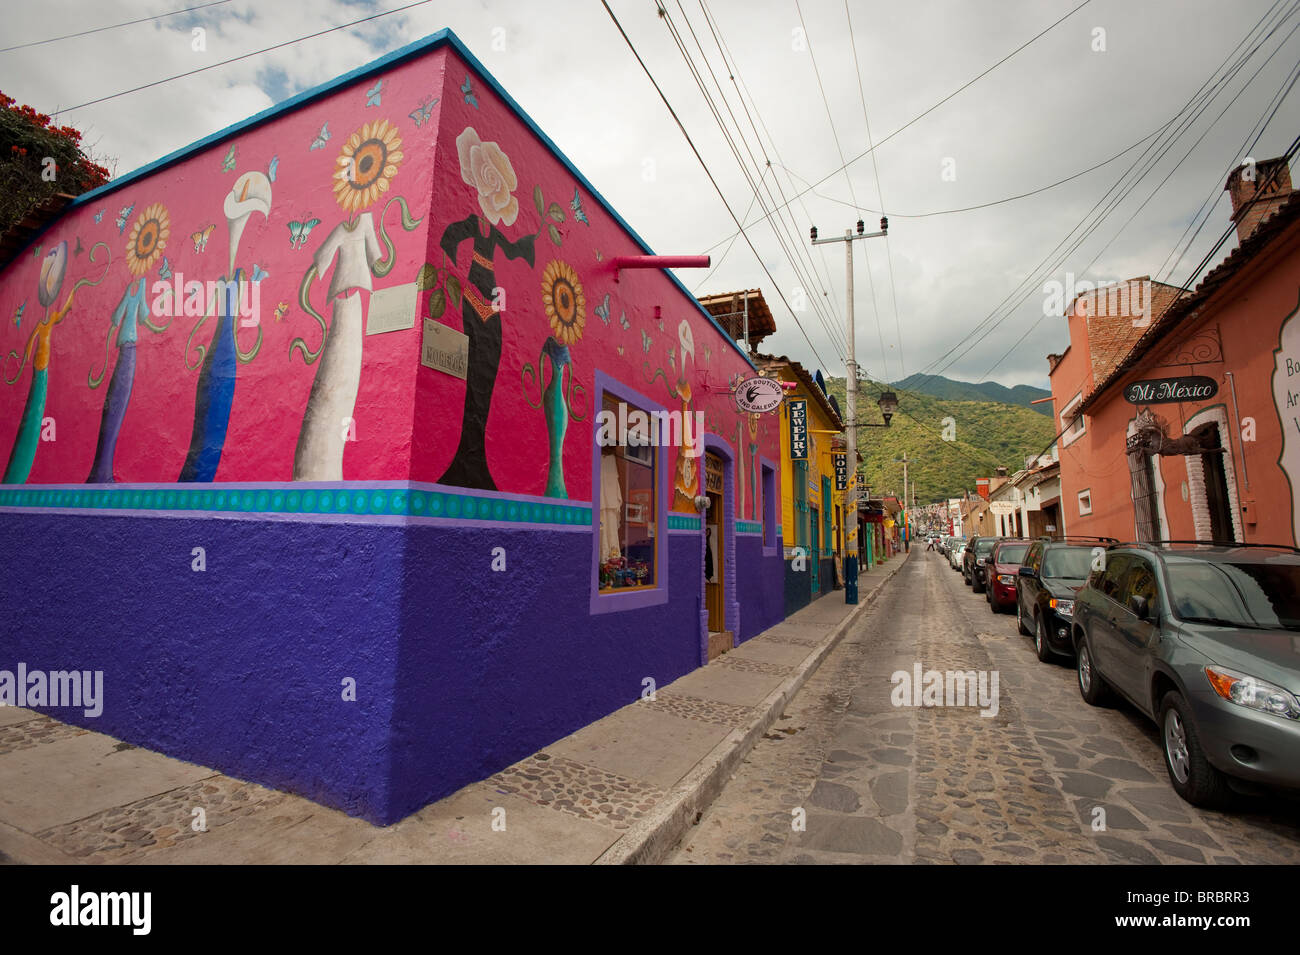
pixel 1072 563
pixel 984 546
pixel 1012 553
pixel 1250 595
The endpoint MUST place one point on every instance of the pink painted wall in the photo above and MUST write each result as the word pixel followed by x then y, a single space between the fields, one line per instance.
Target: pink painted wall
pixel 408 417
pixel 616 330
pixel 272 389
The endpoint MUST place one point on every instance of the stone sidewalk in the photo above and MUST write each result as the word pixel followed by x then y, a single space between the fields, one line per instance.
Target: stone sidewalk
pixel 621 790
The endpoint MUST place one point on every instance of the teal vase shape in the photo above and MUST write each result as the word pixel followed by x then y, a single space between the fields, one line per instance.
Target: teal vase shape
pixel 556 409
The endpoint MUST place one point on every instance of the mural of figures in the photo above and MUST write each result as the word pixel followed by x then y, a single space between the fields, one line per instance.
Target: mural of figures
pixel 687 478
pixel 753 467
pixel 565 305
pixel 148 239
pixel 53 269
pixel 215 393
pixel 487 168
pixel 368 162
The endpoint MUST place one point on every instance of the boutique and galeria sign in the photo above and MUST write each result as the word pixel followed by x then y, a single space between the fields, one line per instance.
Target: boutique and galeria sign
pixel 1156 391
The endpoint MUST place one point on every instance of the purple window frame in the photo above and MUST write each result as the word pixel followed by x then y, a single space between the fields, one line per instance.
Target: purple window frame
pixel 650 596
pixel 767 475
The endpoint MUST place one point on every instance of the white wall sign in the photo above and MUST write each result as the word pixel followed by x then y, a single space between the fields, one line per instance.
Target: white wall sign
pixel 392 309
pixel 1286 400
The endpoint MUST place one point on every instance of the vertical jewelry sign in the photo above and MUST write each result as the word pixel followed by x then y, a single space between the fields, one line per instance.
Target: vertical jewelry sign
pixel 798 429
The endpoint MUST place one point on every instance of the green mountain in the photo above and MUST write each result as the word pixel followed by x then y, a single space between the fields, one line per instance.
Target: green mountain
pixel 985 434
pixel 950 388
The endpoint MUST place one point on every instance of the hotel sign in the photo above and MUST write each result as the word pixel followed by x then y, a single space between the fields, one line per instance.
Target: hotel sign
pixel 1159 391
pixel 798 429
pixel 841 460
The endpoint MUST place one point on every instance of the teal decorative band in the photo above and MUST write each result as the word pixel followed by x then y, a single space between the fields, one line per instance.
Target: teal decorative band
pixel 780 532
pixel 749 527
pixel 683 522
pixel 291 499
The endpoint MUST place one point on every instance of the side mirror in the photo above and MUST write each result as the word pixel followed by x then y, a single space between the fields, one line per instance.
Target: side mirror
pixel 1139 606
pixel 1027 572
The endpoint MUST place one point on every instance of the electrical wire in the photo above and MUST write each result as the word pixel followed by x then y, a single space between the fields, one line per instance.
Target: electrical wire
pixel 112 26
pixel 245 56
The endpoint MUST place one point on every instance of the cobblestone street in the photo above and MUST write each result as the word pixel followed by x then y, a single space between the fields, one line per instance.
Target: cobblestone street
pixel 883 784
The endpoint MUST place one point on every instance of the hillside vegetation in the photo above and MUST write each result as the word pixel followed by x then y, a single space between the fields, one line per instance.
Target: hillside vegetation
pixel 985 434
pixel 941 387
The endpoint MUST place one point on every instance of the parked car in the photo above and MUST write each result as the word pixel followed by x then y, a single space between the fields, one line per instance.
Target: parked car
pixel 955 555
pixel 977 554
pixel 1205 641
pixel 1051 575
pixel 1003 566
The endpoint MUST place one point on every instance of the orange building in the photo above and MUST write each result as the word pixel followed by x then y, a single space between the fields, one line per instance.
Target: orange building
pixel 1180 418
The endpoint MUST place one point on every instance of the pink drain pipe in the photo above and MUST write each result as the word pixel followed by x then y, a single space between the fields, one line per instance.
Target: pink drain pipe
pixel 621 262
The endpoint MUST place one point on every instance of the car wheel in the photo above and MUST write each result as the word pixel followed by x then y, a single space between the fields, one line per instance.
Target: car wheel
pixel 1092 686
pixel 1190 772
pixel 1041 647
pixel 1020 620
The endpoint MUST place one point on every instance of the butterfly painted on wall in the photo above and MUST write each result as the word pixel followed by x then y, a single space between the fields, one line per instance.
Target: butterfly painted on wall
pixel 18 314
pixel 80 248
pixel 36 252
pixel 620 349
pixel 259 273
pixel 281 310
pixel 422 112
pixel 645 342
pixel 271 169
pixel 622 320
pixel 165 270
pixel 322 136
pixel 200 238
pixel 228 163
pixel 603 309
pixel 661 324
pixel 672 359
pixel 576 206
pixel 600 256
pixel 708 353
pixel 468 90
pixel 298 232
pixel 123 216
pixel 98 216
pixel 372 94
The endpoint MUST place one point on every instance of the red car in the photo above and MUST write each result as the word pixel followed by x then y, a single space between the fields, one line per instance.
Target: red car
pixel 1003 568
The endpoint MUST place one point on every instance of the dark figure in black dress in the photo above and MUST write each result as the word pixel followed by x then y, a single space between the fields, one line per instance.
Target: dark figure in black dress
pixel 483 327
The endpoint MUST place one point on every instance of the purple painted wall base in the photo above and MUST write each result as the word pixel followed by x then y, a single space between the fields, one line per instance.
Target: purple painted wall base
pixel 460 671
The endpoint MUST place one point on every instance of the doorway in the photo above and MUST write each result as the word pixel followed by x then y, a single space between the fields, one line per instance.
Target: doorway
pixel 714 588
pixel 815 558
pixel 1216 486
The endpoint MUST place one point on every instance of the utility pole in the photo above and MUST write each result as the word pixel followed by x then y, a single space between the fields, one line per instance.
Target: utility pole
pixel 851 399
pixel 907 527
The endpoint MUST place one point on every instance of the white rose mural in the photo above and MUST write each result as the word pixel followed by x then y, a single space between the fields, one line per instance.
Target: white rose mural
pixel 485 167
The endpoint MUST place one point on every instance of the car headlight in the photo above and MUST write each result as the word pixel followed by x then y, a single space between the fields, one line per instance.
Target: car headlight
pixel 1064 607
pixel 1246 690
pixel 980 561
pixel 1006 579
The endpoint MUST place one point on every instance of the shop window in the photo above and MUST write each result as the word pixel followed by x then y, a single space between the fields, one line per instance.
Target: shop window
pixel 628 511
pixel 769 506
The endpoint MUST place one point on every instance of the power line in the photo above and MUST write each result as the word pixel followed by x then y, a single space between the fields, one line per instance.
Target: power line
pixel 707 171
pixel 927 112
pixel 113 26
pixel 245 56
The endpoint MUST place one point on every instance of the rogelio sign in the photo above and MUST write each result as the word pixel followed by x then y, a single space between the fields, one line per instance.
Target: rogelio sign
pixel 1156 391
pixel 758 395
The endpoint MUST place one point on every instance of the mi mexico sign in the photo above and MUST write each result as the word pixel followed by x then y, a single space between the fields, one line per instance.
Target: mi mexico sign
pixel 1156 391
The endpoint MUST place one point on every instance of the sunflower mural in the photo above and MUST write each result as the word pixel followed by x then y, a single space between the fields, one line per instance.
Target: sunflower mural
pixel 566 311
pixel 367 164
pixel 54 268
pixel 488 171
pixel 144 246
pixel 214 393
